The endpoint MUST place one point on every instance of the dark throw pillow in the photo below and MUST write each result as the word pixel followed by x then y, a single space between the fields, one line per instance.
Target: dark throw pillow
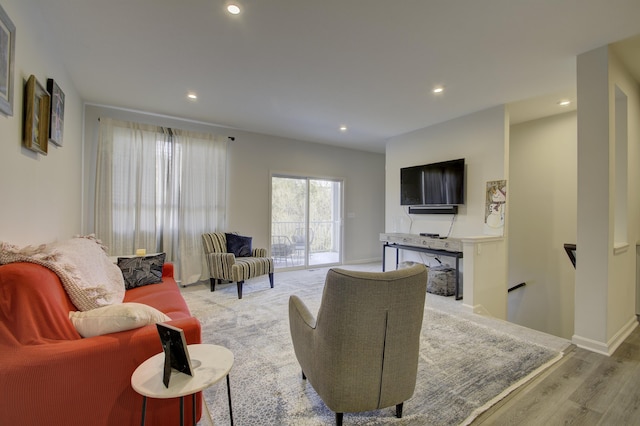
pixel 238 245
pixel 141 270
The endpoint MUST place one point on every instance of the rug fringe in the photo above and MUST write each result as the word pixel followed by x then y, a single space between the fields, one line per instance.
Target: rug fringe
pixel 510 389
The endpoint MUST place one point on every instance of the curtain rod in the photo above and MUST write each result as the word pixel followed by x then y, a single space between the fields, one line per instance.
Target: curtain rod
pixel 231 138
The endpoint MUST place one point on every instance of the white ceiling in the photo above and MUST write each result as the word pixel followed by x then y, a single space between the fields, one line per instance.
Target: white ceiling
pixel 302 68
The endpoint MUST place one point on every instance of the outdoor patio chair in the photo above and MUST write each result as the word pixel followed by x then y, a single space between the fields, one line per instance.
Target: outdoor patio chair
pixel 282 249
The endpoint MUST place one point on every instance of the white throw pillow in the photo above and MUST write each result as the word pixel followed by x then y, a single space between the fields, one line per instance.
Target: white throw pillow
pixel 114 318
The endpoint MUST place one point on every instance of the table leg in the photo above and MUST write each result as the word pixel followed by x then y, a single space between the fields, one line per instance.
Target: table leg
pixel 182 411
pixel 397 257
pixel 458 297
pixel 144 409
pixel 193 399
pixel 384 246
pixel 229 394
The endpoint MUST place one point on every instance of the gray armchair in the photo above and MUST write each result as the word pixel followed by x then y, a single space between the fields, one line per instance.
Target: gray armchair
pixel 361 352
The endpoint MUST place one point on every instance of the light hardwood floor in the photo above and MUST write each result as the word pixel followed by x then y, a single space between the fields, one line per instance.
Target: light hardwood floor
pixel 584 388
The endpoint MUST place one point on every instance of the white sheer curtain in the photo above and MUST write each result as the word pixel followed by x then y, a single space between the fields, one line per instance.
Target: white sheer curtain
pixel 159 189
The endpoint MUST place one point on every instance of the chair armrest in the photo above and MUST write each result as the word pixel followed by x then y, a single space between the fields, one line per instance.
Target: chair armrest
pixel 302 325
pixel 259 252
pixel 299 310
pixel 220 265
pixel 221 258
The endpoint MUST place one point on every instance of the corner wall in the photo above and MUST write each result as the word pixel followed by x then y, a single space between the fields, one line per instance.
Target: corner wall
pixel 41 195
pixel 605 274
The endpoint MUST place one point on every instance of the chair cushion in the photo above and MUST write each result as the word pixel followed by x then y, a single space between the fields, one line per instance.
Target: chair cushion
pixel 239 245
pixel 250 267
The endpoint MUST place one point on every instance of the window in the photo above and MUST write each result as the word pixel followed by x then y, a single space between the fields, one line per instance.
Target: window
pixel 159 189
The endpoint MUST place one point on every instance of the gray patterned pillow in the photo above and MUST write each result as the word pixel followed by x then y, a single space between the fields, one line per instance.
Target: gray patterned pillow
pixel 139 271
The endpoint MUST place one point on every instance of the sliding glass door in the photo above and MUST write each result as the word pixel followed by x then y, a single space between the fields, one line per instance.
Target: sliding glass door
pixel 306 221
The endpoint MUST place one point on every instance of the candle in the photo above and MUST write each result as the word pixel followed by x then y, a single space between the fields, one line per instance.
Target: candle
pixel 141 252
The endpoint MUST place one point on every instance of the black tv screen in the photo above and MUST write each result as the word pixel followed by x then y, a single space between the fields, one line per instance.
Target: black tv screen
pixel 435 184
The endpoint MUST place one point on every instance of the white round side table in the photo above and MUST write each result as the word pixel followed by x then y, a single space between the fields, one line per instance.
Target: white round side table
pixel 210 363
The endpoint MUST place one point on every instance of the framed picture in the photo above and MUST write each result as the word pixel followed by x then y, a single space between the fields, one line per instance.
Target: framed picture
pixel 56 117
pixel 36 116
pixel 7 55
pixel 176 353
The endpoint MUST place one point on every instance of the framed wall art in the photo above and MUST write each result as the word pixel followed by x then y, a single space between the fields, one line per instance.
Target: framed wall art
pixel 36 116
pixel 7 55
pixel 56 117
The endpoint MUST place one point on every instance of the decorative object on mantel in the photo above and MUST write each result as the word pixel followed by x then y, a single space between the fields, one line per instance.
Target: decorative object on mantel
pixel 496 201
pixel 56 123
pixel 7 59
pixel 36 117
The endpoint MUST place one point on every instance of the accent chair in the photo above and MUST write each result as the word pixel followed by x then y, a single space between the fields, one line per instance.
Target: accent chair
pixel 244 264
pixel 361 351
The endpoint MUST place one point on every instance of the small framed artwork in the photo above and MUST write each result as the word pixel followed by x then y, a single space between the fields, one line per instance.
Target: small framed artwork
pixel 7 55
pixel 176 352
pixel 36 116
pixel 56 116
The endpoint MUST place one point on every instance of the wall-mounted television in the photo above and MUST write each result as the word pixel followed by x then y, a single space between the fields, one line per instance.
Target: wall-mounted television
pixel 435 184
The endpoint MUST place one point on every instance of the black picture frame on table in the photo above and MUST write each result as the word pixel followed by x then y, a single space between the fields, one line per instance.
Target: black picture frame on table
pixel 176 353
pixel 7 59
pixel 56 117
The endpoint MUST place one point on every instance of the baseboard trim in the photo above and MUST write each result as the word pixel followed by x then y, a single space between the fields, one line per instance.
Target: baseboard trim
pixel 363 261
pixel 477 309
pixel 609 347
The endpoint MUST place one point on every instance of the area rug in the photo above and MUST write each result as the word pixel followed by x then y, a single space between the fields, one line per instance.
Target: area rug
pixel 467 362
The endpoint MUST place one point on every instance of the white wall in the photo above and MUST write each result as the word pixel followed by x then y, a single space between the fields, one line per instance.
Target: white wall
pixel 41 195
pixel 542 218
pixel 251 160
pixel 605 274
pixel 622 288
pixel 479 138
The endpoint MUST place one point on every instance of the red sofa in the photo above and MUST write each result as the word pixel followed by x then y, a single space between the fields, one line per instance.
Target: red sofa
pixel 50 375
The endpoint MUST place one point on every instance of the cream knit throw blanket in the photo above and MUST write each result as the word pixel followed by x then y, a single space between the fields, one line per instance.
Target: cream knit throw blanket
pixel 90 279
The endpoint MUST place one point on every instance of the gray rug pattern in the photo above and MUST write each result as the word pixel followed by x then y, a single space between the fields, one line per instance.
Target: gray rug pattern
pixel 464 364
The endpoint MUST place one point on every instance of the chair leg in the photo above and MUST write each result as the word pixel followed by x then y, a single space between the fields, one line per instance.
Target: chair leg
pixel 339 419
pixel 399 410
pixel 240 289
pixel 212 282
pixel 271 279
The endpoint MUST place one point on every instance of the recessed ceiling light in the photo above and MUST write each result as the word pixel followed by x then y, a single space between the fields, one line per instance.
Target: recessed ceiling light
pixel 233 9
pixel 438 89
pixel 192 96
pixel 343 128
pixel 564 103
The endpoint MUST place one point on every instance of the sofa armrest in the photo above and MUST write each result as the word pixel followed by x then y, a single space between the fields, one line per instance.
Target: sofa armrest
pixel 167 270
